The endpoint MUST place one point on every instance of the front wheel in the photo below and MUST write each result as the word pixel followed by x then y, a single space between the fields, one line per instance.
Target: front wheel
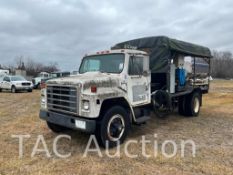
pixel 13 89
pixel 113 128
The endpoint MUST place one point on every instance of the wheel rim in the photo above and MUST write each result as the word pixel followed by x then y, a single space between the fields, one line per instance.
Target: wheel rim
pixel 13 90
pixel 196 105
pixel 116 127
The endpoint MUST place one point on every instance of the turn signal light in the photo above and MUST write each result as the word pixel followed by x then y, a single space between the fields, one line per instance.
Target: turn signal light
pixel 43 85
pixel 103 52
pixel 93 89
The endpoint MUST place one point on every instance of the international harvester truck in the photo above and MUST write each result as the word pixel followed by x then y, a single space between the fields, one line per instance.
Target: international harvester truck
pixel 121 86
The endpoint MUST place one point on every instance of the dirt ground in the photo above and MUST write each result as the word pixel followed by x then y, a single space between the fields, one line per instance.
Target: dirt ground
pixel 212 133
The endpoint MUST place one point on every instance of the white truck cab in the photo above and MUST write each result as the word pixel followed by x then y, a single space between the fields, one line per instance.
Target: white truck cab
pixel 37 80
pixel 108 78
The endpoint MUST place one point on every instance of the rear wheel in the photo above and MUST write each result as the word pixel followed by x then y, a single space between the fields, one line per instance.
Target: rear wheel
pixel 29 90
pixel 56 128
pixel 193 104
pixel 114 127
pixel 181 106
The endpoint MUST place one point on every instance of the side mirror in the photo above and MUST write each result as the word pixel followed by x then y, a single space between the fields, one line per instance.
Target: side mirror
pixel 146 73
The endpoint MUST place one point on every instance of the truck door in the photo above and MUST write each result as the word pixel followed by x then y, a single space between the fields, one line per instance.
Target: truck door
pixel 138 80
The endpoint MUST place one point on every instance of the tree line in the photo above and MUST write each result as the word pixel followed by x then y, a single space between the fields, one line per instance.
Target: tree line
pixel 222 64
pixel 31 66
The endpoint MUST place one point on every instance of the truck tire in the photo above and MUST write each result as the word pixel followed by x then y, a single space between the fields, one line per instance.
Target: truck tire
pixel 13 89
pixel 113 128
pixel 56 128
pixel 182 106
pixel 193 104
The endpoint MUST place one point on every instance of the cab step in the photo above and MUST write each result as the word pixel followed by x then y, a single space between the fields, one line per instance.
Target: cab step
pixel 142 120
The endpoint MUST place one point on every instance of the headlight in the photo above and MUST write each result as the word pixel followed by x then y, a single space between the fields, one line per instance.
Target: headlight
pixel 86 105
pixel 43 101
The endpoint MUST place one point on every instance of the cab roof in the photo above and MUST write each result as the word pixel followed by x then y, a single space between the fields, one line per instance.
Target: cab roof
pixel 115 51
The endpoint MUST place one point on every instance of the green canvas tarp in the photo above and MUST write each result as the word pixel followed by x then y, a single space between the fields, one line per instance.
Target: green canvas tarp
pixel 162 48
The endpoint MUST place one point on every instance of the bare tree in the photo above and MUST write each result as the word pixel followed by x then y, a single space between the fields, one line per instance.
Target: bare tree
pixel 33 67
pixel 52 67
pixel 221 64
pixel 19 61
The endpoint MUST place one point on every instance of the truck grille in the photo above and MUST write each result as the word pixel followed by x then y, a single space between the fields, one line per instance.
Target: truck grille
pixel 26 84
pixel 62 99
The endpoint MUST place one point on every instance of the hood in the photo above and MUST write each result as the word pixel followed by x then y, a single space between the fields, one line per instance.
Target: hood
pixel 23 81
pixel 88 79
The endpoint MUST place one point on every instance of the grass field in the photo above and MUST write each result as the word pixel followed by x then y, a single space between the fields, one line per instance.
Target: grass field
pixel 212 132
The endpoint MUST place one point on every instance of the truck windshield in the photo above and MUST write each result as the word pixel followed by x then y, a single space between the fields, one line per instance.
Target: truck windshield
pixel 111 63
pixel 53 75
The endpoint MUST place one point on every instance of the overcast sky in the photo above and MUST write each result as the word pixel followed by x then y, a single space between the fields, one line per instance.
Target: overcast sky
pixel 63 31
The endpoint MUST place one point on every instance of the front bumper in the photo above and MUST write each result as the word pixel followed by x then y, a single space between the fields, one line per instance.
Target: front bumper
pixel 23 87
pixel 68 121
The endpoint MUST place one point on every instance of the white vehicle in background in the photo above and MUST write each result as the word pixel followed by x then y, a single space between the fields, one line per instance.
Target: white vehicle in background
pixel 4 71
pixel 37 80
pixel 15 83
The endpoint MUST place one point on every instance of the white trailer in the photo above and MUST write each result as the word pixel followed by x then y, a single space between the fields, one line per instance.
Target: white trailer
pixel 4 71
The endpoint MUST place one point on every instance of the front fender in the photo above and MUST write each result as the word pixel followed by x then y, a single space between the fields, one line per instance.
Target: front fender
pixel 98 102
